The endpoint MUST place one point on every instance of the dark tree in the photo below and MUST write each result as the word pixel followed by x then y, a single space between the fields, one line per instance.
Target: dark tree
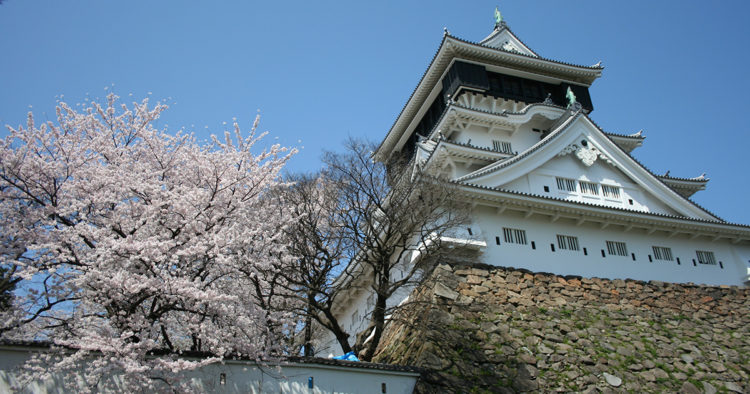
pixel 361 231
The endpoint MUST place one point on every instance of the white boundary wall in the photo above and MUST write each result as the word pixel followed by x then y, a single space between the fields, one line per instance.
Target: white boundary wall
pixel 247 377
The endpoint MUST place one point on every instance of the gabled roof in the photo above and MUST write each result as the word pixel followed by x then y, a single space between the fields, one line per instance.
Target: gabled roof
pixel 455 48
pixel 562 138
pixel 503 38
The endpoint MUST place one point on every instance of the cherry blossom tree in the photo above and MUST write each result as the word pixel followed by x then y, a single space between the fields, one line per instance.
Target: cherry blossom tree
pixel 133 245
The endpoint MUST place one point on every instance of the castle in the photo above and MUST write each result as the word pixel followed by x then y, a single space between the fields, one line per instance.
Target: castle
pixel 551 190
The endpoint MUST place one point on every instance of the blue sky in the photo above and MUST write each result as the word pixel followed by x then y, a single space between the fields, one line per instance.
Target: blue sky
pixel 321 71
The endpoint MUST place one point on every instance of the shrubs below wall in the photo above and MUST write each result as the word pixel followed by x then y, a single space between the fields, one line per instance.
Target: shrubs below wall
pixel 489 329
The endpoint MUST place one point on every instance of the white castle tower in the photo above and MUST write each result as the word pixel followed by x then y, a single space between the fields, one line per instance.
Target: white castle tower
pixel 551 190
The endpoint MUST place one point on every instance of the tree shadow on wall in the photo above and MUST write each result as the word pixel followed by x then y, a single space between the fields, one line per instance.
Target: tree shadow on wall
pixel 446 339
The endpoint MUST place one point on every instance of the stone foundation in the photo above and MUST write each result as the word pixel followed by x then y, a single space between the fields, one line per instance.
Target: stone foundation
pixel 490 329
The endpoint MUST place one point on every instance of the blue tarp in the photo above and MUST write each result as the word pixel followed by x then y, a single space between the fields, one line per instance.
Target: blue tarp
pixel 347 357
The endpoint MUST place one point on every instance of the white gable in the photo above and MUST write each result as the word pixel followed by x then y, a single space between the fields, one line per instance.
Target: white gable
pixel 504 39
pixel 599 184
pixel 579 151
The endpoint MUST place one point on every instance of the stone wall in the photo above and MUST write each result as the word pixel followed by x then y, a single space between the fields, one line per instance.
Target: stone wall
pixel 490 329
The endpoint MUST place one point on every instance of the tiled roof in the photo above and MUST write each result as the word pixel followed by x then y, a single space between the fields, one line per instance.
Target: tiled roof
pixel 480 148
pixel 482 111
pixel 617 135
pixel 552 135
pixel 674 178
pixel 586 204
pixel 415 90
pixel 657 176
pixel 506 27
pixel 534 148
pixel 353 364
pixel 445 37
pixel 287 360
pixel 524 55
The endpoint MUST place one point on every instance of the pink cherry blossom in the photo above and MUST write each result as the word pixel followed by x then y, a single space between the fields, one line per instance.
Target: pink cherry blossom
pixel 131 241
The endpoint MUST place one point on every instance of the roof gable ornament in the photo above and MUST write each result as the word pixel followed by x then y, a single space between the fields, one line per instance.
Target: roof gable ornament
pixel 587 154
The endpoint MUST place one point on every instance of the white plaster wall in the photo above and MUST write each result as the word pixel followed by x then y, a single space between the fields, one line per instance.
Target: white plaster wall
pixel 248 377
pixel 543 232
pixel 520 140
pixel 361 306
pixel 600 172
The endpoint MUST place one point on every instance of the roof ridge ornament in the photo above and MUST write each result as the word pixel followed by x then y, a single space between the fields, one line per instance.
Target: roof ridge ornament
pixel 701 177
pixel 573 104
pixel 499 22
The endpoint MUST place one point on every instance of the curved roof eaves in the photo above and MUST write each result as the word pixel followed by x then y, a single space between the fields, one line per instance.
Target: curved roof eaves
pixel 593 68
pixel 600 206
pixel 415 90
pixel 674 178
pixel 630 136
pixel 529 151
pixel 653 174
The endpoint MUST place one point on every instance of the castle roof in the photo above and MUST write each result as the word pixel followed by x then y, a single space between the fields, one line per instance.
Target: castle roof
pixel 613 153
pixel 519 60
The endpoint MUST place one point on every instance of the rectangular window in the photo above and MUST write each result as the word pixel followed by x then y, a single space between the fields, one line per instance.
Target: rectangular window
pixel 615 248
pixel 567 242
pixel 514 236
pixel 611 191
pixel 589 188
pixel 706 257
pixel 502 146
pixel 662 253
pixel 566 184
